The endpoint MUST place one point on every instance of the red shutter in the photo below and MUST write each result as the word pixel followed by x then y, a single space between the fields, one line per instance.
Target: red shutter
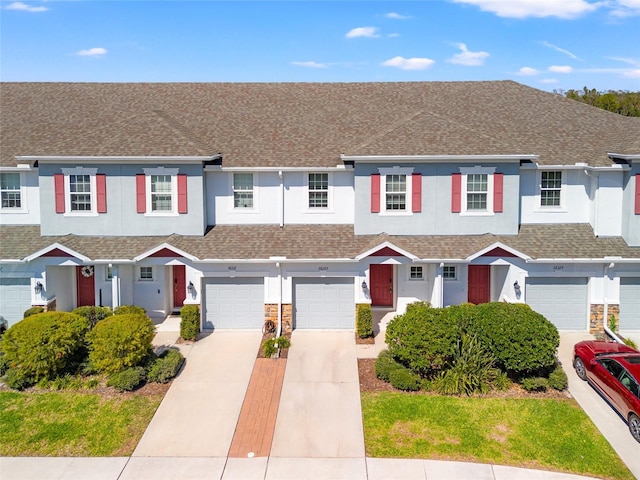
pixel 456 192
pixel 141 195
pixel 101 192
pixel 375 193
pixel 416 192
pixel 637 209
pixel 58 182
pixel 182 193
pixel 498 180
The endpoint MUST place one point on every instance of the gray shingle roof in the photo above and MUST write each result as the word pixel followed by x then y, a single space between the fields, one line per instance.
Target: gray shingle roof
pixel 306 124
pixel 226 242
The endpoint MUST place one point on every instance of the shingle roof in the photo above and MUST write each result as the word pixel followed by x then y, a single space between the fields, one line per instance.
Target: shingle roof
pixel 257 242
pixel 306 124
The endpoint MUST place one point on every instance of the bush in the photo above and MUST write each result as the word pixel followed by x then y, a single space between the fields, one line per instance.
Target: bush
pixel 269 347
pixel 384 365
pixel 129 309
pixel 17 379
pixel 32 311
pixel 535 384
pixel 404 379
pixel 166 366
pixel 189 322
pixel 128 379
pixel 424 338
pixel 558 379
pixel 630 343
pixel 45 345
pixel 4 364
pixel 364 321
pixel 522 341
pixel 93 314
pixel 120 341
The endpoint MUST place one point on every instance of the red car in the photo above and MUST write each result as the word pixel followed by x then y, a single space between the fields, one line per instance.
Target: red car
pixel 614 370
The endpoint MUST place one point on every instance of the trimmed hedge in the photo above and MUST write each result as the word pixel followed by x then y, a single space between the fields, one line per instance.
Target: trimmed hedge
pixel 44 345
pixel 128 379
pixel 120 341
pixel 32 311
pixel 129 309
pixel 364 320
pixel 166 366
pixel 388 370
pixel 93 314
pixel 558 379
pixel 189 322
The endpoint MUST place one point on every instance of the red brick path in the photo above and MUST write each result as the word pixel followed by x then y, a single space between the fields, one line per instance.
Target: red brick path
pixel 257 421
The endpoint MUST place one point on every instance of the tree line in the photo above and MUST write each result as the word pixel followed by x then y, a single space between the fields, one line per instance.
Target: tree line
pixel 618 101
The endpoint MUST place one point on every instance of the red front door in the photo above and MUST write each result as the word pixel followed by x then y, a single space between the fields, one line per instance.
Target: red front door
pixel 179 285
pixel 479 277
pixel 85 286
pixel 381 278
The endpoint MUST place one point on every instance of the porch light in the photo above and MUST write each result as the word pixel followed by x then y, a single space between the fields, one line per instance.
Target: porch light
pixel 516 286
pixel 190 287
pixel 38 288
pixel 364 286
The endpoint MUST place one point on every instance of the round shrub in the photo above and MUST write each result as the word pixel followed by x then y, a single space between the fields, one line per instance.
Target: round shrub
pixel 128 379
pixel 558 379
pixel 120 341
pixel 535 384
pixel 522 341
pixel 404 379
pixel 129 309
pixel 189 322
pixel 93 314
pixel 45 345
pixel 165 367
pixel 32 311
pixel 384 365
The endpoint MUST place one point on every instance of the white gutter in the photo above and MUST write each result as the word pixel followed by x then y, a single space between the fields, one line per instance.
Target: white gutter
pixel 282 260
pixel 632 157
pixel 116 159
pixel 438 158
pixel 310 168
pixel 583 260
pixel 281 177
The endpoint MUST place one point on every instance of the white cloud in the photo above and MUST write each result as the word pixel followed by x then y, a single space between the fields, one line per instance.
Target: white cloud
pixel 625 8
pixel 528 71
pixel 396 16
pixel 25 8
pixel 630 61
pixel 309 64
pixel 632 73
pixel 92 52
pixel 465 57
pixel 393 35
pixel 549 80
pixel 409 63
pixel 370 32
pixel 560 69
pixel 536 8
pixel 561 50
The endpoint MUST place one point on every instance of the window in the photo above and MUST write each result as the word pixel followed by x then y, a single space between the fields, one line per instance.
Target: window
pixel 477 189
pixel 449 272
pixel 161 193
pixel 396 192
pixel 108 273
pixel 550 189
pixel 80 193
pixel 242 190
pixel 146 273
pixel 10 190
pixel 318 190
pixel 416 273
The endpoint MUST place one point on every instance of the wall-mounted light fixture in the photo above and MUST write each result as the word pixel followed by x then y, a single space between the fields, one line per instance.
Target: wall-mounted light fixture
pixel 38 288
pixel 190 287
pixel 364 285
pixel 516 286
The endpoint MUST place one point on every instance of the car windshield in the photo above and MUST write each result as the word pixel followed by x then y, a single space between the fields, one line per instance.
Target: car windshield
pixel 633 359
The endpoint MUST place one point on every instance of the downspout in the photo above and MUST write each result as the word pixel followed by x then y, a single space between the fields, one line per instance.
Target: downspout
pixel 279 328
pixel 281 176
pixel 605 320
pixel 441 284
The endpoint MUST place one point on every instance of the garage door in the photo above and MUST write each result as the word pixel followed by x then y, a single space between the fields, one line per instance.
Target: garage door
pixel 630 303
pixel 324 303
pixel 15 298
pixel 562 300
pixel 234 303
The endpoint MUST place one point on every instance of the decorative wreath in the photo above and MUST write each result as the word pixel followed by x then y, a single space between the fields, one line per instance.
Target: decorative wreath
pixel 87 271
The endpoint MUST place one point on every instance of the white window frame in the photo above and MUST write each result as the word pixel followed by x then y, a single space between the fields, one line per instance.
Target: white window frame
pixel 328 192
pixel 108 273
pixel 563 191
pixel 396 170
pixel 419 273
pixel 173 173
pixel 141 279
pixel 450 268
pixel 91 173
pixel 21 191
pixel 477 170
pixel 255 191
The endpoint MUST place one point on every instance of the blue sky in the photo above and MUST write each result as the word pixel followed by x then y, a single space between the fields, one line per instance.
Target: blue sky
pixel 548 44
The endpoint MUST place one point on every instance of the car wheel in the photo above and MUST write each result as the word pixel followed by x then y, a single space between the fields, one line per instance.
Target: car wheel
pixel 581 370
pixel 634 426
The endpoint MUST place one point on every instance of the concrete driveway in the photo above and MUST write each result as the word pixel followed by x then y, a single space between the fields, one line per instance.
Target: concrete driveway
pixel 612 427
pixel 320 414
pixel 199 413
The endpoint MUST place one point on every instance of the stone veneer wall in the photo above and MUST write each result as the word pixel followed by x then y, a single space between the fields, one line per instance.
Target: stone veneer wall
pixel 51 306
pixel 271 313
pixel 596 317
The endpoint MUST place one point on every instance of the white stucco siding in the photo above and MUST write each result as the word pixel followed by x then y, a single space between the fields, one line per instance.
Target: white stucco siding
pixel 340 208
pixel 413 290
pixel 29 211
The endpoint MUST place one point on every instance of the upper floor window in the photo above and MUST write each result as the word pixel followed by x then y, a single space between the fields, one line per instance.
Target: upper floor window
pixel 550 188
pixel 396 192
pixel 10 190
pixel 161 193
pixel 243 190
pixel 80 193
pixel 318 190
pixel 477 190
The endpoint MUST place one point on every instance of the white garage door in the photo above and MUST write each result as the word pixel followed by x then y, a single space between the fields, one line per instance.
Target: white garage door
pixel 324 303
pixel 15 298
pixel 234 303
pixel 562 300
pixel 630 303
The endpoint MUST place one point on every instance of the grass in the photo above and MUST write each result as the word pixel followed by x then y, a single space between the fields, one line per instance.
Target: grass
pixel 73 423
pixel 546 434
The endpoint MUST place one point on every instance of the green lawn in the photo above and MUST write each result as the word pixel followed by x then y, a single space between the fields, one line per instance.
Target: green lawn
pixel 72 423
pixel 546 434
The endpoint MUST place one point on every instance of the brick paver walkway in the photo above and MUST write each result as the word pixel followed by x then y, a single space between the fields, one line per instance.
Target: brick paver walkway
pixel 257 421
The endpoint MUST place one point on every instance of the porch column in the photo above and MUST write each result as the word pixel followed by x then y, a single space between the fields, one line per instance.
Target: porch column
pixel 439 286
pixel 115 287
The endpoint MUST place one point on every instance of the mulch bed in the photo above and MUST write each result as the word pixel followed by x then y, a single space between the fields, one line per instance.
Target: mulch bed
pixel 284 352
